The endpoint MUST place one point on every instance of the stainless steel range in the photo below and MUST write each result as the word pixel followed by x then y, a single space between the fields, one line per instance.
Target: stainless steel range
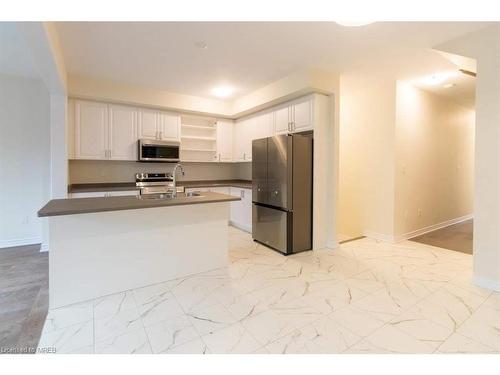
pixel 155 183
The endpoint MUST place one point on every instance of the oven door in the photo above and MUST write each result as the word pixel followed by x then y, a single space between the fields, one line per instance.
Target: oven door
pixel 158 151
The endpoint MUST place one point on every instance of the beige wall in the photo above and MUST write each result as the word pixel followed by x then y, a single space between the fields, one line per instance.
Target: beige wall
pixel 406 159
pixel 366 179
pixel 434 160
pixel 97 171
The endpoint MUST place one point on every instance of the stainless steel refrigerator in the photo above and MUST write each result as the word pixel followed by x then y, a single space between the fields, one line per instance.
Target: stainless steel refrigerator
pixel 282 192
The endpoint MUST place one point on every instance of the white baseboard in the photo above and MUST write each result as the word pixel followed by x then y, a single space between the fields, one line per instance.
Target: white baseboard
pixel 241 226
pixel 20 242
pixel 486 283
pixel 331 244
pixel 431 228
pixel 415 233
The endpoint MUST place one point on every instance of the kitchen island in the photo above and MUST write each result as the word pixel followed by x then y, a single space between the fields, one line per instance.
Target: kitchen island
pixel 101 246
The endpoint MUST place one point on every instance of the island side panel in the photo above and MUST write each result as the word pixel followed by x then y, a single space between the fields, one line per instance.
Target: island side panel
pixel 97 254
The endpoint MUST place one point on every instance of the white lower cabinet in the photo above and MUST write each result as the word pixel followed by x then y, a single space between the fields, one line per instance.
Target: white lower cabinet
pixel 221 190
pixel 102 194
pixel 241 211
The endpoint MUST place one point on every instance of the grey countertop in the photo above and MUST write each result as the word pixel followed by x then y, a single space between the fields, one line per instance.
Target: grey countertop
pixel 57 207
pixel 121 186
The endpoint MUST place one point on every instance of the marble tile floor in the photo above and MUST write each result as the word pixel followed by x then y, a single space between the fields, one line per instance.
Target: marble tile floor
pixel 365 297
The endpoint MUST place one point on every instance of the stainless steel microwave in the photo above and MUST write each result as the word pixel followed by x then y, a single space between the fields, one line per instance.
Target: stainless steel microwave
pixel 151 150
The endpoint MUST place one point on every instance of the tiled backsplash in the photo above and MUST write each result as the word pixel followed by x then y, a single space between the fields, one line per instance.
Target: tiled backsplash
pixel 94 171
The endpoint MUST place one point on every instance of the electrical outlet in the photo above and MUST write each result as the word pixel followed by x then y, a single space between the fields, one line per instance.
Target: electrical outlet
pixel 419 212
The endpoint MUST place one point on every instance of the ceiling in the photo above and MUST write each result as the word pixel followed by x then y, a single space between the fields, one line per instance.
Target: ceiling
pixel 249 55
pixel 15 56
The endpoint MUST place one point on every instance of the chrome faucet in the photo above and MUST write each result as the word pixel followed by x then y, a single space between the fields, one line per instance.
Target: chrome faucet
pixel 174 175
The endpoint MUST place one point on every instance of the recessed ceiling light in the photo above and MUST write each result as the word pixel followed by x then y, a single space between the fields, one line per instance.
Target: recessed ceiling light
pixel 438 78
pixel 201 45
pixel 222 91
pixel 449 85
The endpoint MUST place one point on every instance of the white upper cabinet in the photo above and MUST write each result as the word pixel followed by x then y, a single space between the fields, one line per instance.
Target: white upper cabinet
pixel 122 133
pixel 106 131
pixel 149 124
pixel 246 130
pixel 170 126
pixel 242 146
pixel 224 140
pixel 91 130
pixel 154 124
pixel 302 115
pixel 296 117
pixel 282 120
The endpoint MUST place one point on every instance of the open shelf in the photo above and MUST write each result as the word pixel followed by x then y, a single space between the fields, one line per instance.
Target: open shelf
pixel 198 138
pixel 201 127
pixel 198 149
pixel 201 138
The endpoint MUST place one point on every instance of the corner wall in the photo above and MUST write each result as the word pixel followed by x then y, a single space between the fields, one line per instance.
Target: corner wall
pixel 24 159
pixel 434 161
pixel 366 179
pixel 406 159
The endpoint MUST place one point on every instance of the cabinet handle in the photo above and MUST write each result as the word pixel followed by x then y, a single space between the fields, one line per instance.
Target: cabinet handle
pixel 242 193
pixel 244 156
pixel 161 135
pixel 219 157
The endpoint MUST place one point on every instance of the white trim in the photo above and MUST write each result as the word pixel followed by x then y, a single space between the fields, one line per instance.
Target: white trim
pixel 21 242
pixel 486 283
pixel 241 226
pixel 405 236
pixel 44 247
pixel 431 228
pixel 332 244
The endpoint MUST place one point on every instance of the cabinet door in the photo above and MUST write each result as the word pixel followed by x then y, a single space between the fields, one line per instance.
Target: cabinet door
pixel 149 123
pixel 238 139
pixel 302 116
pixel 247 209
pixel 122 132
pixel 221 190
pixel 281 120
pixel 170 126
pixel 249 129
pixel 224 140
pixel 91 130
pixel 241 211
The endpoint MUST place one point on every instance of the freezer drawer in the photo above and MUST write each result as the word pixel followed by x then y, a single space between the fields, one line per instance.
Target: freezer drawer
pixel 270 227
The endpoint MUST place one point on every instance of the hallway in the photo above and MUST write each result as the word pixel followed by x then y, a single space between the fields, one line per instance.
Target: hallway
pixel 456 237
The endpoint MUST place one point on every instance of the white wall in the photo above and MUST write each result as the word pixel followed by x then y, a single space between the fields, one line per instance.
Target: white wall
pixel 24 159
pixel 434 160
pixel 366 175
pixel 484 46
